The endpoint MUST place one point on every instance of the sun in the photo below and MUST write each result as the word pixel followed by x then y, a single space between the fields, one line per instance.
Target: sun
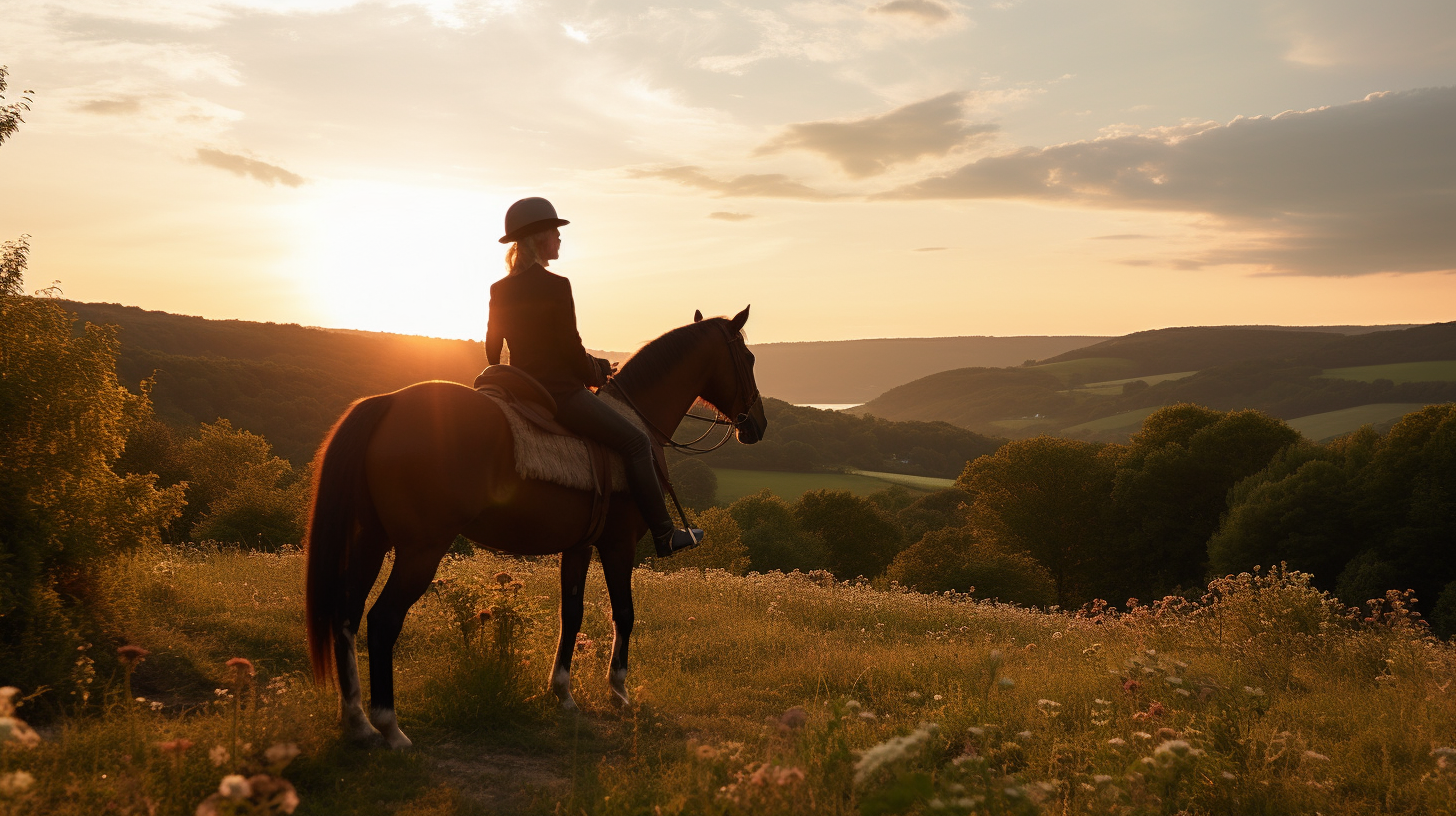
pixel 404 258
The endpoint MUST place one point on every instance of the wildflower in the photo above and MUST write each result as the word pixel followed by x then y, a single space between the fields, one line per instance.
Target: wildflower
pixel 1056 635
pixel 692 618
pixel 1254 691
pixel 1226 775
pixel 914 695
pixel 219 756
pixel 14 784
pixel 156 705
pixel 220 692
pixel 1131 686
pixel 1102 702
pixel 273 794
pixel 1102 779
pixel 235 787
pixel 1023 735
pixel 1006 683
pixel 1117 742
pixel 1444 757
pixel 131 655
pixel 1184 692
pixel 891 751
pixel 1167 733
pixel 242 668
pixel 938 698
pixel 1142 735
pixel 281 753
pixel 868 716
pixel 1174 681
pixel 1316 756
pixel 176 746
pixel 977 731
pixel 1175 751
pixel 852 705
pixel 706 752
pixel 503 578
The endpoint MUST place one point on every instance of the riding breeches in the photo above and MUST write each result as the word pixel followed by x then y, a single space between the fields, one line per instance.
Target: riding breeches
pixel 583 412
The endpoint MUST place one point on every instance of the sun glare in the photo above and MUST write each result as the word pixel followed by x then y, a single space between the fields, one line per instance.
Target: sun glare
pixel 402 258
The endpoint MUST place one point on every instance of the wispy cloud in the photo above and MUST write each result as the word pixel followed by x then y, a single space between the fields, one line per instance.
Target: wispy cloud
pixel 1343 190
pixel 869 146
pixel 111 107
pixel 730 216
pixel 251 168
pixel 924 11
pixel 753 185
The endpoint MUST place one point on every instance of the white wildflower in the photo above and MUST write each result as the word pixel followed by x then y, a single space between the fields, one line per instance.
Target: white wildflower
pixel 1117 742
pixel 219 756
pixel 1316 756
pixel 892 750
pixel 235 787
pixel 281 754
pixel 14 784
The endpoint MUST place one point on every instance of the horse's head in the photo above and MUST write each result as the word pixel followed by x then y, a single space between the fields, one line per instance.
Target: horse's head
pixel 731 387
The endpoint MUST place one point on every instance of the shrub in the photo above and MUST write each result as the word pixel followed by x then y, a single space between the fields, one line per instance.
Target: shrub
pixel 773 537
pixel 954 559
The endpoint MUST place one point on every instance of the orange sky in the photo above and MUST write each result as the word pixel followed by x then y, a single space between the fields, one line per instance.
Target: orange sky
pixel 905 168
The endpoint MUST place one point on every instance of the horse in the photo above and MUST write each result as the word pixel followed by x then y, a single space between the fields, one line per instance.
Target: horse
pixel 412 469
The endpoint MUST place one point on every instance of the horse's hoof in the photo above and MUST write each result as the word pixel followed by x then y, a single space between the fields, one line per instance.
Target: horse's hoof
pixel 388 725
pixel 617 681
pixel 359 729
pixel 568 704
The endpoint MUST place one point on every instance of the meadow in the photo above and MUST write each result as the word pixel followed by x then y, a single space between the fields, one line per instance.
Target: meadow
pixel 735 483
pixel 759 694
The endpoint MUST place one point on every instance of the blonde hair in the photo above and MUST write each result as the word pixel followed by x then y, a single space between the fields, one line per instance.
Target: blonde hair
pixel 522 253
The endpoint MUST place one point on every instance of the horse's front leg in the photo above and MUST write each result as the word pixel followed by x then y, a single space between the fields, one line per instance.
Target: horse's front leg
pixel 574 565
pixel 617 558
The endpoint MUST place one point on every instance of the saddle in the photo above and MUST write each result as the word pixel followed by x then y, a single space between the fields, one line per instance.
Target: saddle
pixel 546 450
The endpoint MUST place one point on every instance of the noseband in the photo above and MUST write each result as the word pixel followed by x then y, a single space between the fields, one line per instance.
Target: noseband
pixel 743 375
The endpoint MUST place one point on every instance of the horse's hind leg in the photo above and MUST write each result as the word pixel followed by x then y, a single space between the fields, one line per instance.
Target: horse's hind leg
pixel 617 558
pixel 369 549
pixel 574 565
pixel 414 567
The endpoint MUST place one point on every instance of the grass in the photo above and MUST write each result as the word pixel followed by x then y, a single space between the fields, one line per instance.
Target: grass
pixel 927 483
pixel 1087 368
pixel 1111 388
pixel 1127 419
pixel 734 484
pixel 1433 371
pixel 1320 427
pixel 778 694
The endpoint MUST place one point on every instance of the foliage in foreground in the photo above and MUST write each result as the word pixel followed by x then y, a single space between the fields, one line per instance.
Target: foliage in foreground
pixel 768 694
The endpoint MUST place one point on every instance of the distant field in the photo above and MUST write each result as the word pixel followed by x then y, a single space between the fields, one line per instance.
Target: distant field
pixel 930 483
pixel 1338 423
pixel 1115 422
pixel 1086 368
pixel 735 484
pixel 1018 424
pixel 1434 371
pixel 1110 388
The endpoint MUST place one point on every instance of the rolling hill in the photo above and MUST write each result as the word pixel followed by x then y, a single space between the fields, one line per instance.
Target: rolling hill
pixel 1329 378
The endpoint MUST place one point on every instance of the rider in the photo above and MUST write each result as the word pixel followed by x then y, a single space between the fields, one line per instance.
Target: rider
pixel 532 311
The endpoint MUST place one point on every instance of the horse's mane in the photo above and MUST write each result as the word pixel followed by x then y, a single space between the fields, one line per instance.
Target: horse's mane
pixel 653 361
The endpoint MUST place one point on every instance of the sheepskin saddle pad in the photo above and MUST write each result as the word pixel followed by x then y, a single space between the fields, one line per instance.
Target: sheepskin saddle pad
pixel 551 455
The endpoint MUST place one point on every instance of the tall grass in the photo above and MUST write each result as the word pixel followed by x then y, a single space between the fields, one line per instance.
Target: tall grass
pixel 769 694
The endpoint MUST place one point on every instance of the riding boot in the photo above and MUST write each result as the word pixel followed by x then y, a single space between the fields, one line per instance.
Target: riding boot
pixel 647 494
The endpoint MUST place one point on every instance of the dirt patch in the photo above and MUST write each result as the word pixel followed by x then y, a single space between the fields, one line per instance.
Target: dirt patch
pixel 502 783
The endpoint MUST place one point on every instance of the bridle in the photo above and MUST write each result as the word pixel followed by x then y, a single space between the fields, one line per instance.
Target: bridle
pixel 743 375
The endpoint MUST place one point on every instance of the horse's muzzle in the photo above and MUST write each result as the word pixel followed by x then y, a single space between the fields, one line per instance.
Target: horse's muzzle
pixel 752 424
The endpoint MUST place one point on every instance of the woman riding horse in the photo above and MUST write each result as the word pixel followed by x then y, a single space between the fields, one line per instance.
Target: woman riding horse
pixel 409 471
pixel 533 314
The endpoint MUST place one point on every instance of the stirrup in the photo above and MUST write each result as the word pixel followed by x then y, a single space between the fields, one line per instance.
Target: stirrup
pixel 679 540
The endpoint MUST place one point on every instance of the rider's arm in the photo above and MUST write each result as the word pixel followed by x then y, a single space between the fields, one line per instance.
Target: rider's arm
pixel 572 351
pixel 494 338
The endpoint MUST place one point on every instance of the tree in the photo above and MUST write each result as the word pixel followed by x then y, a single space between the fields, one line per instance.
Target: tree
pixel 773 537
pixel 860 537
pixel 1050 498
pixel 64 421
pixel 696 483
pixel 954 559
pixel 11 114
pixel 722 546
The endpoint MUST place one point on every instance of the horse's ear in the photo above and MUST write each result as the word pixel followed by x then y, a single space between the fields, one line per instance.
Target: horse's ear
pixel 697 315
pixel 740 318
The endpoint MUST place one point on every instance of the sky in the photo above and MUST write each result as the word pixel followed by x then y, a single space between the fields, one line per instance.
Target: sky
pixel 889 168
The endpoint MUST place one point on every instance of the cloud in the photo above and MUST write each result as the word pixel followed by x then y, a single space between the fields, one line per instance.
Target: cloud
pixel 111 107
pixel 242 165
pixel 867 147
pixel 1351 189
pixel 1125 236
pixel 730 216
pixel 769 185
pixel 924 11
pixel 930 249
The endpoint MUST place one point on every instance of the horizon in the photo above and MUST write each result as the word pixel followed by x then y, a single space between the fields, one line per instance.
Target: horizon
pixel 855 170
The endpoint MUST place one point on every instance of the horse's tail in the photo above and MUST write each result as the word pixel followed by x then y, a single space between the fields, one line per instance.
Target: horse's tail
pixel 340 507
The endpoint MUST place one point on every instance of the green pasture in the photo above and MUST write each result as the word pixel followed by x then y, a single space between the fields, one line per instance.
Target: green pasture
pixel 927 483
pixel 765 694
pixel 1432 371
pixel 1087 368
pixel 1127 419
pixel 1111 388
pixel 734 484
pixel 1338 423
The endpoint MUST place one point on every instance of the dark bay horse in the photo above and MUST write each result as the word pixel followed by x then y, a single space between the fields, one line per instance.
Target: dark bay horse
pixel 410 470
